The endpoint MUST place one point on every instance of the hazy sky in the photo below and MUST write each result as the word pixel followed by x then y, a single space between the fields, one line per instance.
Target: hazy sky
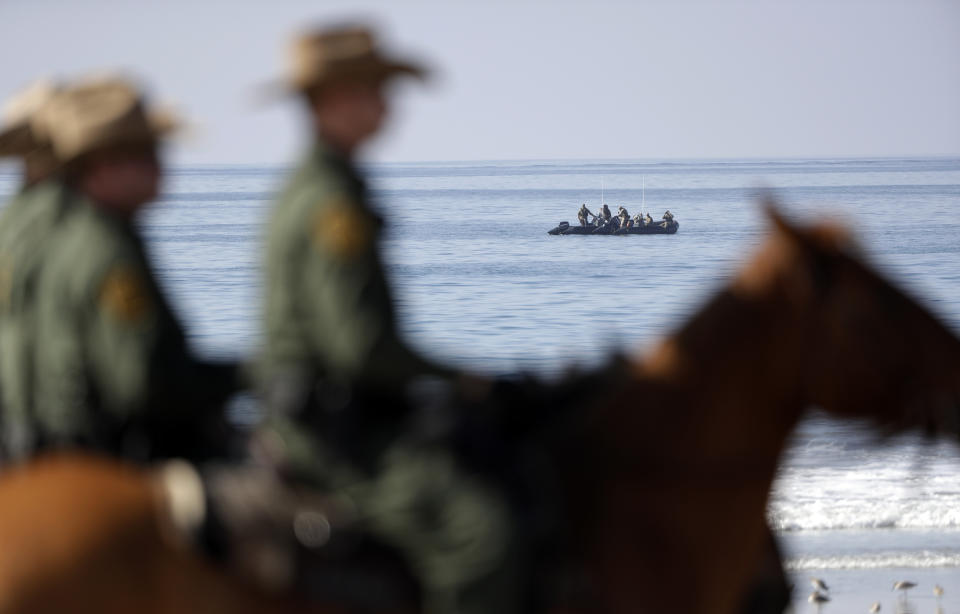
pixel 525 79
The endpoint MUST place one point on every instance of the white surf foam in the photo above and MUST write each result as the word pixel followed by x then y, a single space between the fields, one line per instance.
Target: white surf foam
pixel 826 485
pixel 876 560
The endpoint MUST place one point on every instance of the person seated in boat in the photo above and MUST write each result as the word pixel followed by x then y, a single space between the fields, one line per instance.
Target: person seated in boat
pixel 638 220
pixel 605 215
pixel 583 213
pixel 647 219
pixel 624 216
pixel 668 217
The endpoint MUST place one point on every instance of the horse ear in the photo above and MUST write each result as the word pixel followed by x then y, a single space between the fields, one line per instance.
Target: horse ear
pixel 823 235
pixel 779 222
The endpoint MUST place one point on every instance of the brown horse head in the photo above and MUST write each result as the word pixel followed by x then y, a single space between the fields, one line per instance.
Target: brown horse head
pixel 682 458
pixel 869 351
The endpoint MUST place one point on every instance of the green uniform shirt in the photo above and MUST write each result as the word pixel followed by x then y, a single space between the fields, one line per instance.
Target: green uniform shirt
pixel 25 227
pixel 329 309
pixel 113 369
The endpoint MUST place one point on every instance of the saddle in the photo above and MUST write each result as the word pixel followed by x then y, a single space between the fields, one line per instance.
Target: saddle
pixel 284 538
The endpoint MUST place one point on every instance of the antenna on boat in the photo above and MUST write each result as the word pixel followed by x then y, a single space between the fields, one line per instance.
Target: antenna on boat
pixel 643 193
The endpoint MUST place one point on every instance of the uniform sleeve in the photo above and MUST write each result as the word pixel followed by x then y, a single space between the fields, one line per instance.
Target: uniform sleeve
pixel 351 317
pixel 59 385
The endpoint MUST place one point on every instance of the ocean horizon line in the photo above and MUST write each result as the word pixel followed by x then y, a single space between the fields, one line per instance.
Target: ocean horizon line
pixel 11 168
pixel 643 160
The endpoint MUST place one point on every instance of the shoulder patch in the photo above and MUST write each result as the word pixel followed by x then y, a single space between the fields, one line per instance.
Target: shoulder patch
pixel 342 230
pixel 124 295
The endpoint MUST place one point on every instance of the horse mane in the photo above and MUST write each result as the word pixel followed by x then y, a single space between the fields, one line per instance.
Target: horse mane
pixel 788 241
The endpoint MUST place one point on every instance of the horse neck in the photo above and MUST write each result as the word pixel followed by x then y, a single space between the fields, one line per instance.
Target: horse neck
pixel 725 388
pixel 684 455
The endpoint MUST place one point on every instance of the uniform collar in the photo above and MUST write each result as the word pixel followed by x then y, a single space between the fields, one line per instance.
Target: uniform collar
pixel 50 185
pixel 325 156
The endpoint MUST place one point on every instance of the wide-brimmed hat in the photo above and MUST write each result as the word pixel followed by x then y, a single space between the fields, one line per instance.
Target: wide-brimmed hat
pixel 332 55
pixel 21 134
pixel 100 113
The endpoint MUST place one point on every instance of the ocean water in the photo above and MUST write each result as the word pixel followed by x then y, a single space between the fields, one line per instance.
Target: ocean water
pixel 481 285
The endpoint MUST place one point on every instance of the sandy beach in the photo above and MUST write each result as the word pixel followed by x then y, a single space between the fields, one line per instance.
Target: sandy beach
pixel 852 591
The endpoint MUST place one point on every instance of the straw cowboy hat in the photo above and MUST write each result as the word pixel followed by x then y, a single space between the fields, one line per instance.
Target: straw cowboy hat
pixel 334 55
pixel 21 134
pixel 103 112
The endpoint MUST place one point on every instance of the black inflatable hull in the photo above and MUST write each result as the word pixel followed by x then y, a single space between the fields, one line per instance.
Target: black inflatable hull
pixel 657 228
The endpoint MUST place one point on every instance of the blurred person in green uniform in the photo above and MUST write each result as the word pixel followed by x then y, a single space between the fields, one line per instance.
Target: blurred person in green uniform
pixel 113 370
pixel 340 383
pixel 26 223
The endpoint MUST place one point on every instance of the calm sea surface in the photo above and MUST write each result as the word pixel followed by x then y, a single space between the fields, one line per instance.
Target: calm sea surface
pixel 481 285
